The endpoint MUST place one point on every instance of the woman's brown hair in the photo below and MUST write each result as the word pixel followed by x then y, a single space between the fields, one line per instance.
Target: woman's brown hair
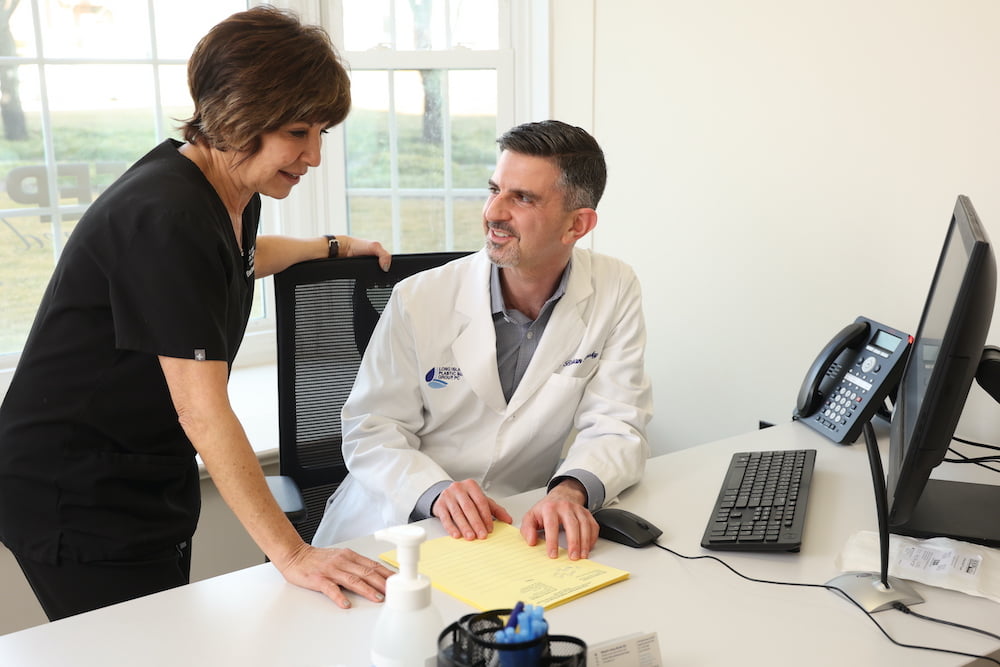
pixel 259 70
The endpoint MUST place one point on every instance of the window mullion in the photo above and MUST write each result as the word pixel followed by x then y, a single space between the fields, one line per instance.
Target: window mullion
pixel 446 132
pixel 154 53
pixel 395 200
pixel 48 143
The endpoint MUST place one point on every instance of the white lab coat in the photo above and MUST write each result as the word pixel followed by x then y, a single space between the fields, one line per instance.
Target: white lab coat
pixel 427 404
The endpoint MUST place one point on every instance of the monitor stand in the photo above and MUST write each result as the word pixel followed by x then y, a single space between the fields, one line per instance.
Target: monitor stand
pixel 960 510
pixel 875 591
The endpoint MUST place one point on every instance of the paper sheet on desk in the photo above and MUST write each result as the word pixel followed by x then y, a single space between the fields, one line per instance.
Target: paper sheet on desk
pixel 940 561
pixel 497 572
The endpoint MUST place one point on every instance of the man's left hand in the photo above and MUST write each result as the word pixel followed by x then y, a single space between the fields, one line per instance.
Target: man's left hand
pixel 564 507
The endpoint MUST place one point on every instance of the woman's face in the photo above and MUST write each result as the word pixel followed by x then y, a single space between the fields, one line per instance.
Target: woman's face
pixel 285 156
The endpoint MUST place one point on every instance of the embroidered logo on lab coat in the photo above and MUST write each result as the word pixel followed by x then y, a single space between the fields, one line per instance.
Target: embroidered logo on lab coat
pixel 440 376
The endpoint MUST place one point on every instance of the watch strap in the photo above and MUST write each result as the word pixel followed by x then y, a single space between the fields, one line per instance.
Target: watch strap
pixel 334 245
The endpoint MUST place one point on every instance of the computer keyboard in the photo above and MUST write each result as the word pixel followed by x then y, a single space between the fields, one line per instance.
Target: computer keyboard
pixel 762 502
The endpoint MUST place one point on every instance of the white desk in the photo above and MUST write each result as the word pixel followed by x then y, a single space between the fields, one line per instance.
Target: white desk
pixel 704 614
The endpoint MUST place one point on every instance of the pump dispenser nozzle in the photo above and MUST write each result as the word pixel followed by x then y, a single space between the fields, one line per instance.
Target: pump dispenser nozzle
pixel 407 539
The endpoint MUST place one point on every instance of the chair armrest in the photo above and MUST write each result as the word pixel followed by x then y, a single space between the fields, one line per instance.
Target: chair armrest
pixel 286 492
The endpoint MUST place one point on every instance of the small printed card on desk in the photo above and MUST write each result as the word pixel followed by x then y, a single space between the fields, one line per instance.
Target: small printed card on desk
pixel 637 650
pixel 495 572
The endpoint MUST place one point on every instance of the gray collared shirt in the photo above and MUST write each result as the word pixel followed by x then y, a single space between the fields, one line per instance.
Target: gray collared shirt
pixel 517 336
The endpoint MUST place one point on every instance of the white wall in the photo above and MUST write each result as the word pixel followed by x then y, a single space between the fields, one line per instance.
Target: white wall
pixel 777 168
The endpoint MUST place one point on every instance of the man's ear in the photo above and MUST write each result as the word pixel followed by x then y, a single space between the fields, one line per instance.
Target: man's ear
pixel 584 220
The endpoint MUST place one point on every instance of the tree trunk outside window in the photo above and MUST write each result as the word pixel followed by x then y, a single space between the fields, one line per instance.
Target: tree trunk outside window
pixel 14 126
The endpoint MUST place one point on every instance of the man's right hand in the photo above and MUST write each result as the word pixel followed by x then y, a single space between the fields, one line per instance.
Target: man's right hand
pixel 465 511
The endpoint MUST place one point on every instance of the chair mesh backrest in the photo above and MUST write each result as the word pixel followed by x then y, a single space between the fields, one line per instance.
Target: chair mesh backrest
pixel 326 312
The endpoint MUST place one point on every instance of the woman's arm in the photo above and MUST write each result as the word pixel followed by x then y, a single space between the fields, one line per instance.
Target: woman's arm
pixel 277 253
pixel 199 393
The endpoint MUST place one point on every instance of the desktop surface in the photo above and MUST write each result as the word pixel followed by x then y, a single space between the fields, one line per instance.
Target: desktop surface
pixel 702 613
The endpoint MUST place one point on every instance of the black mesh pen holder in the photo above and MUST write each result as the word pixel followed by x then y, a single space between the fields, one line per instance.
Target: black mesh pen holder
pixel 469 642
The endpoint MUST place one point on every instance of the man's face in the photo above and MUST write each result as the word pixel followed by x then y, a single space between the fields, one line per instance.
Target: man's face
pixel 524 217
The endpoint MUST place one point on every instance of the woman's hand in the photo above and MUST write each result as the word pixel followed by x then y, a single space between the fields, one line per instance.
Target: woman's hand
pixel 354 247
pixel 330 570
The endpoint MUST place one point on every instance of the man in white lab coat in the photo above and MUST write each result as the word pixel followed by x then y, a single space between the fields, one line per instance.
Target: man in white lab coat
pixel 479 371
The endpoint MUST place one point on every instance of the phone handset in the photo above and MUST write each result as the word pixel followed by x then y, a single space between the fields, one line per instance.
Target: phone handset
pixel 809 395
pixel 851 378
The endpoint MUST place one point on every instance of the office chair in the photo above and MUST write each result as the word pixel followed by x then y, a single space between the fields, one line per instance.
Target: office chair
pixel 326 310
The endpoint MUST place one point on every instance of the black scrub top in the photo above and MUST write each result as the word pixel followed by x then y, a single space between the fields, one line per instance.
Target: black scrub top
pixel 93 462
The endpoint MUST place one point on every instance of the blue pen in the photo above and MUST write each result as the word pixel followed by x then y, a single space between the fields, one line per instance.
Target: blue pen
pixel 512 621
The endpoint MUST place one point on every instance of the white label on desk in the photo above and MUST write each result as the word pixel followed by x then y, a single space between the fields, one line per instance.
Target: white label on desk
pixel 939 561
pixel 638 650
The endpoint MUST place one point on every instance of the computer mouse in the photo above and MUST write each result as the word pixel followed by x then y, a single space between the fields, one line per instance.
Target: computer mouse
pixel 626 528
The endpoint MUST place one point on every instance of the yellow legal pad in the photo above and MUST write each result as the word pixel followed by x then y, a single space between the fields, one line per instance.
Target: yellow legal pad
pixel 496 572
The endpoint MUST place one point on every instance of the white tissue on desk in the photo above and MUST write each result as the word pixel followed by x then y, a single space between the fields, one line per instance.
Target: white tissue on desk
pixel 939 561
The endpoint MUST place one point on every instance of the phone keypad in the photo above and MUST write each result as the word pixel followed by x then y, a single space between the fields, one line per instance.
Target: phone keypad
pixel 848 397
pixel 840 407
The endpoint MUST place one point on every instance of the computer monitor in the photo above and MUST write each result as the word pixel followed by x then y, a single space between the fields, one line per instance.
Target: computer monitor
pixel 933 390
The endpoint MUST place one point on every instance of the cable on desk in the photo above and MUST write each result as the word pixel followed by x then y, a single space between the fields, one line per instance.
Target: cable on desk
pixel 977 460
pixel 973 443
pixel 849 599
pixel 899 606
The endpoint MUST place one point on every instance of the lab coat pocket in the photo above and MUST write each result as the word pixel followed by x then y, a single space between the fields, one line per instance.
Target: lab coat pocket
pixel 557 402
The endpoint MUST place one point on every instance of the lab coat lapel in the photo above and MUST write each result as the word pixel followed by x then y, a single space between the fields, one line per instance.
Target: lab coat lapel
pixel 475 346
pixel 562 334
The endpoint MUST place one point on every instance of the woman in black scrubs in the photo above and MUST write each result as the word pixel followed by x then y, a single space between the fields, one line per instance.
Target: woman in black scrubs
pixel 123 378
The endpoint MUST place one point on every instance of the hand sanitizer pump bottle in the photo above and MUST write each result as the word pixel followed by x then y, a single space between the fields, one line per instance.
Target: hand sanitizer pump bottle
pixel 407 629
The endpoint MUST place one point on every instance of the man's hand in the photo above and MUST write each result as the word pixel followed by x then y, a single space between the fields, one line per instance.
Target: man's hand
pixel 465 511
pixel 563 507
pixel 330 570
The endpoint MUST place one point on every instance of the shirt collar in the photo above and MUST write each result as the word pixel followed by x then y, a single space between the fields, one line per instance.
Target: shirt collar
pixel 496 294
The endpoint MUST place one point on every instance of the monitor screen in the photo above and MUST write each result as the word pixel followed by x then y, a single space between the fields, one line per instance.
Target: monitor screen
pixel 932 393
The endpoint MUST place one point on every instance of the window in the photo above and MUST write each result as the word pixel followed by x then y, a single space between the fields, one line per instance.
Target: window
pixel 432 85
pixel 89 87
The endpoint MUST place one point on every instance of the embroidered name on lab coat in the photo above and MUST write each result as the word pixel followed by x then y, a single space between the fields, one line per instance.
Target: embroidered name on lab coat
pixel 574 362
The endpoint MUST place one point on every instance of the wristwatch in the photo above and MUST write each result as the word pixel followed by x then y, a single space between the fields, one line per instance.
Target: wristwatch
pixel 334 245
